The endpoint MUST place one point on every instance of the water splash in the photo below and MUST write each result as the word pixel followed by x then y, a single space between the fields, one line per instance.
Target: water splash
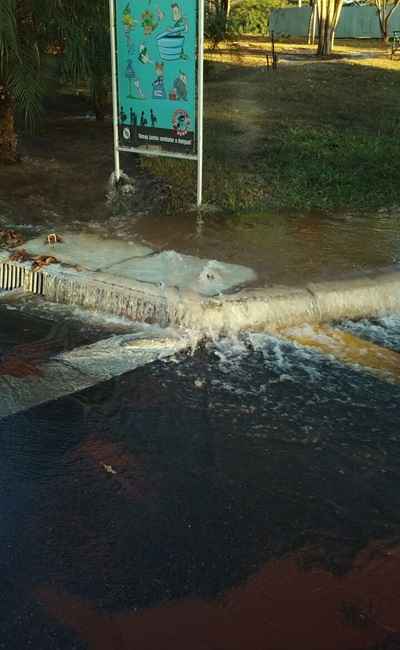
pixel 118 190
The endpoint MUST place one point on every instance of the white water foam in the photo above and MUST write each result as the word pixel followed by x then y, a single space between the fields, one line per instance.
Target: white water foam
pixel 384 331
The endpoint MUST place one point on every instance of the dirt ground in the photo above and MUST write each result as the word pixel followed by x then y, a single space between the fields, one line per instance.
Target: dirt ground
pixel 64 173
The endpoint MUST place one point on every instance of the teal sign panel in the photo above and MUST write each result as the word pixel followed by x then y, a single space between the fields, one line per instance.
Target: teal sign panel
pixel 157 74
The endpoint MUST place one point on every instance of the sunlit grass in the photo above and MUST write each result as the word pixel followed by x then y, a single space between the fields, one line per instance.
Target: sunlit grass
pixel 251 51
pixel 320 135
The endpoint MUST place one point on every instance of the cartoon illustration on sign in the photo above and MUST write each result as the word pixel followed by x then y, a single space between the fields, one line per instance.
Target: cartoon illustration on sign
pixel 144 56
pixel 153 118
pixel 180 22
pixel 150 22
pixel 132 78
pixel 158 83
pixel 180 90
pixel 171 43
pixel 122 115
pixel 129 25
pixel 133 117
pixel 181 122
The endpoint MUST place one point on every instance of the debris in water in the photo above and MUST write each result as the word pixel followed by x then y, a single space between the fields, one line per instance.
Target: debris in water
pixel 39 261
pixel 20 256
pixel 10 238
pixel 53 239
pixel 109 469
pixel 130 471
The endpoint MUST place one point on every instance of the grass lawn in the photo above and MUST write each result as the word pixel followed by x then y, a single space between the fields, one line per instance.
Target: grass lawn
pixel 315 134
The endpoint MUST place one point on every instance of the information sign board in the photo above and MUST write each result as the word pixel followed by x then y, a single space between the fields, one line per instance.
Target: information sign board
pixel 156 66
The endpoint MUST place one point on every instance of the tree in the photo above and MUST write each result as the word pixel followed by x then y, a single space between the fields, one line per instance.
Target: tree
pixel 217 23
pixel 28 30
pixel 226 5
pixel 21 74
pixel 385 11
pixel 328 17
pixel 312 24
pixel 86 48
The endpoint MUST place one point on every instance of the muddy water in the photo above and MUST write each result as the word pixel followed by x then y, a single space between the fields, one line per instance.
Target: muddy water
pixel 240 496
pixel 47 194
pixel 282 248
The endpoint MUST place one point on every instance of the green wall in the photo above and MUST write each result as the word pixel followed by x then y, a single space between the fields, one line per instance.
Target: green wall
pixel 355 22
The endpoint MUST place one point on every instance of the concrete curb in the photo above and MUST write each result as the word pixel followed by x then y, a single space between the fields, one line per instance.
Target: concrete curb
pixel 264 309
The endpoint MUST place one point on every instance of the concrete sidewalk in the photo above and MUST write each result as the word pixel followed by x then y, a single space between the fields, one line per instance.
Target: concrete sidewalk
pixel 137 262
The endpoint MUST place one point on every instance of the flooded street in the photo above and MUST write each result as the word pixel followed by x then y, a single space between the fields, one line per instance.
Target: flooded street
pixel 199 406
pixel 240 494
pixel 283 248
pixel 291 249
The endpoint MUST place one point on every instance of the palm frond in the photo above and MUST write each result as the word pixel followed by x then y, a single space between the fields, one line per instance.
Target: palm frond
pixel 29 28
pixel 28 85
pixel 8 34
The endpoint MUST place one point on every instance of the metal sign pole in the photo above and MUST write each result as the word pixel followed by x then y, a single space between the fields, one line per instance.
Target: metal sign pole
pixel 117 167
pixel 200 102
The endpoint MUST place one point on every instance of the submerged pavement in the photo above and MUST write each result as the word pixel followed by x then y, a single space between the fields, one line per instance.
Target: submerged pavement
pixel 134 261
pixel 80 368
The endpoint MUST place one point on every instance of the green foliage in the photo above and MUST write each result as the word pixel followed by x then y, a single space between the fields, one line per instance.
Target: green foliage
pixel 23 40
pixel 303 168
pixel 86 39
pixel 218 27
pixel 252 16
pixel 267 145
pixel 30 28
pixel 225 186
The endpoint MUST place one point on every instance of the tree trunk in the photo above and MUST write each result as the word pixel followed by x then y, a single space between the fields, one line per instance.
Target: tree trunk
pixel 328 17
pixel 385 30
pixel 226 5
pixel 385 12
pixel 312 25
pixel 8 136
pixel 325 41
pixel 381 11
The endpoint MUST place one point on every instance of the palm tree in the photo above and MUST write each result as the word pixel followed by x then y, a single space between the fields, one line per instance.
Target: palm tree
pixel 28 29
pixel 23 40
pixel 86 48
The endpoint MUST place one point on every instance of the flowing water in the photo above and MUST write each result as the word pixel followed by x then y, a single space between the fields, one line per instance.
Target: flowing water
pixel 285 248
pixel 237 494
